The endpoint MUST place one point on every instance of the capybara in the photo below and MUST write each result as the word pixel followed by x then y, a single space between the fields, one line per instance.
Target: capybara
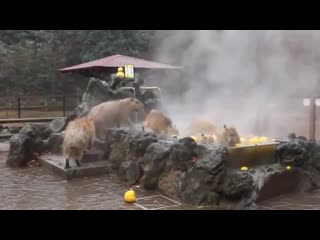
pixel 200 126
pixel 113 114
pixel 78 138
pixel 229 137
pixel 159 123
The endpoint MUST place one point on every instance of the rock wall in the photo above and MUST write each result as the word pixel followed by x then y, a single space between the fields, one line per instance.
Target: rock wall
pixel 197 173
pixel 182 169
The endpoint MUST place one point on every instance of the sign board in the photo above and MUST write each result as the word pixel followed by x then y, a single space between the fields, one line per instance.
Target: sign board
pixel 129 71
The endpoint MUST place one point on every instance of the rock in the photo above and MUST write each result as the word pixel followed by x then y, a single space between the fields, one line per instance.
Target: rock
pixel 237 185
pixel 294 152
pixel 303 138
pixel 99 145
pixel 310 181
pixel 170 183
pixel 129 172
pixel 314 159
pixel 14 129
pixel 292 136
pixel 139 142
pixel 117 149
pixel 5 131
pixel 246 204
pixel 20 152
pixel 125 145
pixel 57 125
pixel 54 143
pixel 181 154
pixel 34 130
pixel 204 180
pixel 155 161
pixel 213 198
pixel 272 180
pixel 39 145
pixel 30 139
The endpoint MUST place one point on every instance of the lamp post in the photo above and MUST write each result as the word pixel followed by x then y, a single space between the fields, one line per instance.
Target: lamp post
pixel 312 102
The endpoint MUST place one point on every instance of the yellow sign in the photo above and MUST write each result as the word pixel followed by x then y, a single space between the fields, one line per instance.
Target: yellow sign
pixel 129 71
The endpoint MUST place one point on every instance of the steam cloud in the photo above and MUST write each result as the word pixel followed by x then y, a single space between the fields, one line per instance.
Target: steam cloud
pixel 254 80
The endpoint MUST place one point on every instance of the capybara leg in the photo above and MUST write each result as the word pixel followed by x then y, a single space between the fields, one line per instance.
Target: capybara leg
pixel 90 145
pixel 67 164
pixel 78 163
pixel 142 128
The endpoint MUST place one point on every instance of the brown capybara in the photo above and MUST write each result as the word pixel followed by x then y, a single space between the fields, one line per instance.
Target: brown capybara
pixel 229 137
pixel 200 126
pixel 159 123
pixel 113 114
pixel 78 138
pixel 207 138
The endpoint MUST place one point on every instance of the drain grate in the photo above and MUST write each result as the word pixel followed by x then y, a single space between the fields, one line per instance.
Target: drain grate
pixel 156 202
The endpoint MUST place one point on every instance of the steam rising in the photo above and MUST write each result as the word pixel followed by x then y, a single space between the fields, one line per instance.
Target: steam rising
pixel 254 80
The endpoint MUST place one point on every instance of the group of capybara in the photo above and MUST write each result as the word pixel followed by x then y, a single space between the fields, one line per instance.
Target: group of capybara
pixel 80 133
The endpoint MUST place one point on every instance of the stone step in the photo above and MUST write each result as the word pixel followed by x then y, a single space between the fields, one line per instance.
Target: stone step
pixel 56 163
pixel 99 144
pixel 279 184
pixel 92 156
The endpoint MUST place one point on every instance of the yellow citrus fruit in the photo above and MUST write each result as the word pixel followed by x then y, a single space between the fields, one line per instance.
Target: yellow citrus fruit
pixel 264 139
pixel 244 168
pixel 254 140
pixel 130 196
pixel 243 140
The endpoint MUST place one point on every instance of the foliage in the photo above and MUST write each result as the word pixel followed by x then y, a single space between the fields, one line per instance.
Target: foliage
pixel 29 59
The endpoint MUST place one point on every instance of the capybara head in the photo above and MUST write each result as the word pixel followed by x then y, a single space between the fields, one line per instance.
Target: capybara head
pixel 88 121
pixel 231 136
pixel 135 104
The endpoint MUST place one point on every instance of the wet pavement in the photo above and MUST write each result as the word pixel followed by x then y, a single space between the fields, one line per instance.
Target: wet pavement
pixel 36 188
pixel 4 146
pixel 293 201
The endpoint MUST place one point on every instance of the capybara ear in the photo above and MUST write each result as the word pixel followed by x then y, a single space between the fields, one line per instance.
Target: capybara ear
pixel 225 127
pixel 131 99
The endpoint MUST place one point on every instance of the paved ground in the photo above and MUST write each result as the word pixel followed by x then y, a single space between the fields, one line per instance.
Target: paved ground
pixel 36 188
pixel 293 201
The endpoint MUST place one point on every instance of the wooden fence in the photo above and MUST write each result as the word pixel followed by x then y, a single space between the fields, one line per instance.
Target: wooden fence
pixel 36 106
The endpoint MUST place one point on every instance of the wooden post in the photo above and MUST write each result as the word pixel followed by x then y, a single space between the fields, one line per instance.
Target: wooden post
pixel 19 108
pixel 46 103
pixel 64 105
pixel 312 123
